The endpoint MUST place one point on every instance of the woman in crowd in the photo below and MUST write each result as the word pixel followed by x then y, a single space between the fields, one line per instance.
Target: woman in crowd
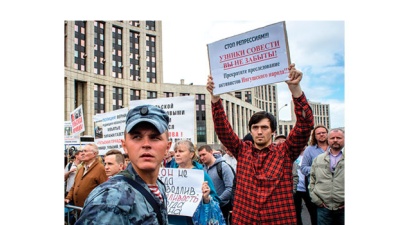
pixel 208 211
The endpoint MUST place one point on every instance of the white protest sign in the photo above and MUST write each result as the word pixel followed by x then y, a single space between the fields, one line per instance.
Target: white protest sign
pixel 109 130
pixel 251 59
pixel 181 115
pixel 78 124
pixel 183 189
pixel 69 137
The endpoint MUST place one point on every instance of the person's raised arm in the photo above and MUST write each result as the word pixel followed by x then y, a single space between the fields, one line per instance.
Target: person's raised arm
pixel 210 88
pixel 293 83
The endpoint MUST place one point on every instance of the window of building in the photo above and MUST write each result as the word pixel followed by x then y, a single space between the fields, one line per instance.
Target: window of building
pixel 99 96
pixel 117 66
pixel 233 116
pixel 274 93
pixel 201 134
pixel 134 94
pixel 98 49
pixel 79 94
pixel 269 92
pixel 134 57
pixel 150 25
pixel 65 42
pixel 184 94
pixel 168 94
pixel 118 98
pixel 200 107
pixel 151 59
pixel 134 23
pixel 151 94
pixel 80 46
pixel 247 96
pixel 238 94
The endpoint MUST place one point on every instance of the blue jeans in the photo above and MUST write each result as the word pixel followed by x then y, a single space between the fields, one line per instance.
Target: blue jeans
pixel 330 217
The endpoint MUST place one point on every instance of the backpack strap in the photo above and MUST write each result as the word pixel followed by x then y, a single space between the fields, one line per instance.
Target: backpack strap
pixel 149 197
pixel 219 169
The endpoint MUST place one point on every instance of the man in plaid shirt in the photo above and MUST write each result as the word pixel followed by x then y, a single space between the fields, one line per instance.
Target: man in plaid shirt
pixel 264 185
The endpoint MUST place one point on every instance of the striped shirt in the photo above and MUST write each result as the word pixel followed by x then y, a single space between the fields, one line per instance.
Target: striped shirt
pixel 154 189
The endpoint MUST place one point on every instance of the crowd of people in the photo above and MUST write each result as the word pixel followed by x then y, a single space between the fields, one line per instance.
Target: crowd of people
pixel 261 178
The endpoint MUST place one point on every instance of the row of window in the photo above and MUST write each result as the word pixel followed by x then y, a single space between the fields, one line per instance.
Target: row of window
pixel 117 57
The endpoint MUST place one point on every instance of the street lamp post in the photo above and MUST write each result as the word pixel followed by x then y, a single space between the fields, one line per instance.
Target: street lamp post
pixel 277 121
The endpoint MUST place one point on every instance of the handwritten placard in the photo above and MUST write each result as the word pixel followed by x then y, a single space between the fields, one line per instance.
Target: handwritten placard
pixel 183 189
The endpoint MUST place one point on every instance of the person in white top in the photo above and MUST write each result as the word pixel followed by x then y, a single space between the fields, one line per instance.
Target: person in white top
pixel 70 170
pixel 229 158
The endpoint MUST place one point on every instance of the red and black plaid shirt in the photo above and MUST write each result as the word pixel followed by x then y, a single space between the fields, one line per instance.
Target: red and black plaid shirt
pixel 264 186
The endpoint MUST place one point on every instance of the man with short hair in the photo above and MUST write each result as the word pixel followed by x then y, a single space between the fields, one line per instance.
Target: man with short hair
pixel 114 162
pixel 264 181
pixel 88 177
pixel 327 181
pixel 280 138
pixel 222 185
pixel 135 195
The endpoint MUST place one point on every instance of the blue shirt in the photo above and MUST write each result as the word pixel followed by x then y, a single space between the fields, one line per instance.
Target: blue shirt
pixel 301 186
pixel 334 159
pixel 308 156
pixel 117 202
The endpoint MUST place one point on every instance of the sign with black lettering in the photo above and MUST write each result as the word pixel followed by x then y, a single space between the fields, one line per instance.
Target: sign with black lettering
pixel 69 137
pixel 181 112
pixel 109 130
pixel 251 59
pixel 183 189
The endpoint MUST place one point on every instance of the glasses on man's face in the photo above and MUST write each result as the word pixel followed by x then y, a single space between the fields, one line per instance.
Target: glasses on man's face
pixel 321 133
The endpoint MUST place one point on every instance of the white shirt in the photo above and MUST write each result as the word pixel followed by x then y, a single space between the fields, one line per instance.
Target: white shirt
pixel 230 160
pixel 71 176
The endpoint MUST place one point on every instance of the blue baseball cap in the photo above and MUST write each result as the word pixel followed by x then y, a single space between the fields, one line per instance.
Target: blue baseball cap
pixel 147 113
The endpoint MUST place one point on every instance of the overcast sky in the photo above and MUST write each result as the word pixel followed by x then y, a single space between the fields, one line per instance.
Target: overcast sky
pixel 317 48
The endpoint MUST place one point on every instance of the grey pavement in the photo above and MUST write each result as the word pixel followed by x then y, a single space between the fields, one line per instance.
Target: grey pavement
pixel 305 216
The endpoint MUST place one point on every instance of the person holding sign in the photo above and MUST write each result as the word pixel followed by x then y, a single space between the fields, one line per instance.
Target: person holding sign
pixel 135 195
pixel 208 211
pixel 264 181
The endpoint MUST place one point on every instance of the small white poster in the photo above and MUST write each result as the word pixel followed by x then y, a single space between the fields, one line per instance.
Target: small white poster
pixel 109 130
pixel 183 189
pixel 78 124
